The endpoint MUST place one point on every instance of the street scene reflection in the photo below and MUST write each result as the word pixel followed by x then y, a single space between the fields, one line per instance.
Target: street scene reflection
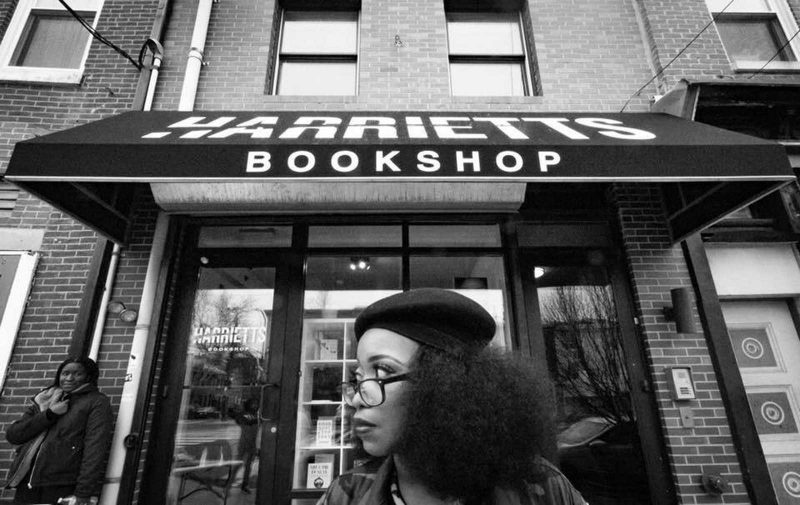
pixel 215 458
pixel 597 440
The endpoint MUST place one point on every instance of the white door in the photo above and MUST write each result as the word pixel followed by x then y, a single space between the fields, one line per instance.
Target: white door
pixel 767 348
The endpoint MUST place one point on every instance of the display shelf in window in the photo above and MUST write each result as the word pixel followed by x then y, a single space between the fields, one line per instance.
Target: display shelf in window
pixel 322 445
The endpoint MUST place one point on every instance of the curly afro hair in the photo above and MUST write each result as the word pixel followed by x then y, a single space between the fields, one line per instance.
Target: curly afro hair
pixel 475 422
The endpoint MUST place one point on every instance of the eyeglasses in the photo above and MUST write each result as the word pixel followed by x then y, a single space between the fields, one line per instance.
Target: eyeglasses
pixel 371 391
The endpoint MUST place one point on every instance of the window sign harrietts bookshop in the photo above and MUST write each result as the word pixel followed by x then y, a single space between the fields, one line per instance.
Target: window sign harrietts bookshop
pixel 224 145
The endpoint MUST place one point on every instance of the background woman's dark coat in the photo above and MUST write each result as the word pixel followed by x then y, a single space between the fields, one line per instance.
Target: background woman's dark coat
pixel 75 448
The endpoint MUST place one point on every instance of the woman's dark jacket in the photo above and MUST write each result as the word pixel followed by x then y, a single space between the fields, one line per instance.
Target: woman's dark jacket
pixel 75 446
pixel 369 485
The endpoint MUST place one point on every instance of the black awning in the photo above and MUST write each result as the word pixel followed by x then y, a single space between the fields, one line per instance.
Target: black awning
pixel 236 146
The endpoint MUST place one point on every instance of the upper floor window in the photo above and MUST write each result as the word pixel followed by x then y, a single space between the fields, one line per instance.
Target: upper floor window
pixel 318 53
pixel 754 33
pixel 45 43
pixel 487 54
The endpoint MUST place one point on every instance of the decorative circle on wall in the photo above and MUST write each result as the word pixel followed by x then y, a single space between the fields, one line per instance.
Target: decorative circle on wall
pixel 752 348
pixel 791 483
pixel 772 413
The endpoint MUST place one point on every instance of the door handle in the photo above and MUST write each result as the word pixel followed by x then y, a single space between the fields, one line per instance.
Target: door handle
pixel 268 401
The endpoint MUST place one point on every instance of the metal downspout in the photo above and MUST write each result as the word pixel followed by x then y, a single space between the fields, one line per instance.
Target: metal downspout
pixel 94 348
pixel 195 61
pixel 133 374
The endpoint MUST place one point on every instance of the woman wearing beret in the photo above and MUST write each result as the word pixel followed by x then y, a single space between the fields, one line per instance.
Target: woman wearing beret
pixel 448 419
pixel 64 437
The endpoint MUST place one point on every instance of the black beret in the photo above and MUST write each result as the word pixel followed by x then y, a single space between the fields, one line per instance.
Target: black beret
pixel 436 317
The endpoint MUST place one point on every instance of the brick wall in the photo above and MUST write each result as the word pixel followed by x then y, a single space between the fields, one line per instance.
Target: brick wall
pixel 27 110
pixel 672 26
pixel 128 285
pixel 591 58
pixel 655 267
pixel 46 328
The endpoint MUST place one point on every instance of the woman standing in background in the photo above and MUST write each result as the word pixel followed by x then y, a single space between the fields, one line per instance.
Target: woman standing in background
pixel 64 436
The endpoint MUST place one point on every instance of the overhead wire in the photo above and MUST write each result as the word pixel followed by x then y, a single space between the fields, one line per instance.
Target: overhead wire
pixel 99 36
pixel 779 51
pixel 665 67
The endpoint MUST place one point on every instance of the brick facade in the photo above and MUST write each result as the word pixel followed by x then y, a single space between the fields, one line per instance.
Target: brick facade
pixel 591 58
pixel 655 266
pixel 28 110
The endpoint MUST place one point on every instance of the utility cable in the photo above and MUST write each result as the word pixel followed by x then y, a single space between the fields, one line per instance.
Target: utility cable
pixel 713 20
pixel 780 50
pixel 99 36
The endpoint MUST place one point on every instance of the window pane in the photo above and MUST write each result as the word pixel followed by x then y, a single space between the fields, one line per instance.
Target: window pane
pixel 738 6
pixel 52 40
pixel 334 295
pixel 753 40
pixel 319 33
pixel 245 236
pixel 597 438
pixel 317 78
pixel 487 79
pixel 484 33
pixel 355 236
pixel 454 236
pixel 481 278
pixel 221 394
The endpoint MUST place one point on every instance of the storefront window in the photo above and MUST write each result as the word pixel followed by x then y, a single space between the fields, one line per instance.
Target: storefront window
pixel 597 438
pixel 337 289
pixel 454 236
pixel 216 439
pixel 355 236
pixel 245 236
pixel 480 278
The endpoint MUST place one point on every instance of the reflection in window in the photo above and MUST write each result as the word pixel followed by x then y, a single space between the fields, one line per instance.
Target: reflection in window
pixel 318 53
pixel 598 444
pixel 337 289
pixel 487 55
pixel 751 31
pixel 481 278
pixel 216 436
pixel 244 236
pixel 52 39
pixel 355 236
pixel 468 235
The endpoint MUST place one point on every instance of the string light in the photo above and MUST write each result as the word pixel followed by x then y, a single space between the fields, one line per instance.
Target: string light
pixel 359 264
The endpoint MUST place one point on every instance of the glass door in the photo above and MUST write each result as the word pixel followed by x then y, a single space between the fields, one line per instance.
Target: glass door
pixel 335 294
pixel 218 406
pixel 216 442
pixel 584 334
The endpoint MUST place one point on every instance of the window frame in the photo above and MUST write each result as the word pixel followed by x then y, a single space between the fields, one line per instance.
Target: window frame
pixel 333 57
pixel 523 60
pixel 17 30
pixel 780 12
pixel 11 317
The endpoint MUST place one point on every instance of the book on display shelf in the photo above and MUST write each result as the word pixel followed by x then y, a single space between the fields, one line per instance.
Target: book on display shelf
pixel 320 475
